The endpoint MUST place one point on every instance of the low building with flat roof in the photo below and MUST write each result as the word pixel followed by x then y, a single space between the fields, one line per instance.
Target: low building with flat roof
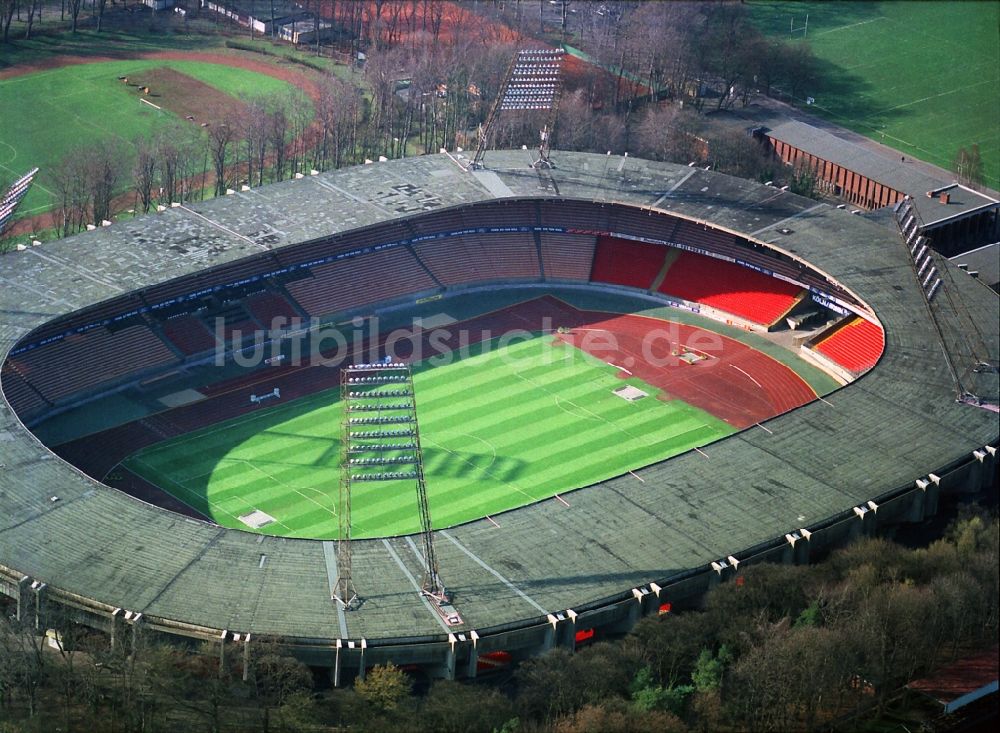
pixel 953 216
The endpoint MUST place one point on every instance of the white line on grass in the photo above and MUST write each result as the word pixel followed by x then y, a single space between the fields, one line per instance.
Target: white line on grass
pixel 852 25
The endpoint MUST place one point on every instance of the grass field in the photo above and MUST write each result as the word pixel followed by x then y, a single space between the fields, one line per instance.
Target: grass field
pixel 921 77
pixel 45 114
pixel 501 428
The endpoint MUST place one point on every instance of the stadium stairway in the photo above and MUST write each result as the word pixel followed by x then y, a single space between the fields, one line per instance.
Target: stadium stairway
pixel 672 254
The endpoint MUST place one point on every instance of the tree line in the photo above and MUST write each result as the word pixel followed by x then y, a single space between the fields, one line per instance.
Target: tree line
pixel 657 69
pixel 777 648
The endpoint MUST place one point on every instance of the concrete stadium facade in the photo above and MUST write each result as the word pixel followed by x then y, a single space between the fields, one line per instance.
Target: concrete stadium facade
pixel 877 452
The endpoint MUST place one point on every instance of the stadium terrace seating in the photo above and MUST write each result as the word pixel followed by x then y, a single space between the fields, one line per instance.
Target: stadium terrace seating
pixel 624 262
pixel 222 275
pixel 245 326
pixel 189 334
pixel 21 395
pixel 360 281
pixel 267 306
pixel 729 287
pixel 389 232
pixel 855 346
pixel 90 359
pixel 568 256
pixel 478 257
pixel 581 215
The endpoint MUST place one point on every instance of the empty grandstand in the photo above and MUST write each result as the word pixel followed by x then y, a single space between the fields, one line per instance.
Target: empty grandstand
pixel 528 579
pixel 854 344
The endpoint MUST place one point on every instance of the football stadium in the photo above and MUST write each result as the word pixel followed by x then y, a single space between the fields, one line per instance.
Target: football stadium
pixel 449 417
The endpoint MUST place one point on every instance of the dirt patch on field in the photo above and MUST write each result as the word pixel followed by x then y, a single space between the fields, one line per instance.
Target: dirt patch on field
pixel 186 96
pixel 286 71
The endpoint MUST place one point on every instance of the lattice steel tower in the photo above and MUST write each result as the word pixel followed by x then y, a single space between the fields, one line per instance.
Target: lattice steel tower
pixel 533 82
pixel 380 441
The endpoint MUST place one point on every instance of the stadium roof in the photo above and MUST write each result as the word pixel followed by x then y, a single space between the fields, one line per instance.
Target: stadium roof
pixel 869 439
pixel 897 174
pixel 984 260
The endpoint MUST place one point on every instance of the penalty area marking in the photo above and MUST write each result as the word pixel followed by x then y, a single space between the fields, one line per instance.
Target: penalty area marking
pixel 747 375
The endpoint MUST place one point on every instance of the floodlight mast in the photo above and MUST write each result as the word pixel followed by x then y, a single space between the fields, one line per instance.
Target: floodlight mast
pixel 532 82
pixel 379 401
pixel 344 592
pixel 431 584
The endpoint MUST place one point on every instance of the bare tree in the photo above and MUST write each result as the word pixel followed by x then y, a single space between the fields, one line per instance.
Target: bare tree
pixel 7 10
pixel 70 183
pixel 220 136
pixel 74 11
pixel 144 171
pixel 105 165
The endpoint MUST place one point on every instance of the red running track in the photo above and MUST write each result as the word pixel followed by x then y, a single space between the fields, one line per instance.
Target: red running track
pixel 734 382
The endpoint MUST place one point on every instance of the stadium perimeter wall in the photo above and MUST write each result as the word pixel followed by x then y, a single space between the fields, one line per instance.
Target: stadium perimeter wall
pixel 899 484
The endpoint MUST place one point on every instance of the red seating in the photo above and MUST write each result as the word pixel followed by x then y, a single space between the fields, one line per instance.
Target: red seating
pixel 729 287
pixel 624 262
pixel 268 307
pixel 477 257
pixel 82 361
pixel 856 346
pixel 360 281
pixel 189 334
pixel 568 256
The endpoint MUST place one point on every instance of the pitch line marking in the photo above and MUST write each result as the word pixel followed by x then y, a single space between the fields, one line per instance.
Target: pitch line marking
pixel 492 521
pixel 826 402
pixel 747 375
pixel 769 432
pixel 702 452
pixel 475 558
pixel 561 500
pixel 641 479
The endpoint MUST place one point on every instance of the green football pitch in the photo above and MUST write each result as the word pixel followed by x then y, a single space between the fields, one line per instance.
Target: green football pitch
pixel 500 428
pixel 46 114
pixel 921 77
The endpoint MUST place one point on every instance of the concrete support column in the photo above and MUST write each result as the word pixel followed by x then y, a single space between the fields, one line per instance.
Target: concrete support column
pixel 569 630
pixel 23 599
pixel 449 659
pixel 336 662
pixel 550 634
pixel 117 627
pixel 222 652
pixel 246 657
pixel 931 496
pixel 361 663
pixel 39 589
pixel 473 668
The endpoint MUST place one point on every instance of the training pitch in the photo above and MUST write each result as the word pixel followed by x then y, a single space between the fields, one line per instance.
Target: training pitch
pixel 920 77
pixel 46 114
